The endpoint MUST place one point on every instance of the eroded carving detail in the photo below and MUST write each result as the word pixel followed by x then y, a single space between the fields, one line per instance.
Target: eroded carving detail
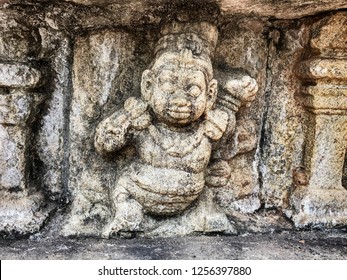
pixel 174 127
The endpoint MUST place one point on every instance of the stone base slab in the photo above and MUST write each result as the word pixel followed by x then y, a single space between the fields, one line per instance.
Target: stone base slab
pixel 23 215
pixel 291 245
pixel 317 207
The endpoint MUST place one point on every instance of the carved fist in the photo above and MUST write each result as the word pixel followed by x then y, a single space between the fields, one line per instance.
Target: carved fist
pixel 138 113
pixel 215 124
pixel 218 174
pixel 111 134
pixel 244 89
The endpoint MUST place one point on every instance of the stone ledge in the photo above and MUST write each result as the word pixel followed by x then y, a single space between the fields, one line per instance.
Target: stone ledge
pixel 285 245
pixel 280 9
pixel 290 9
pixel 265 8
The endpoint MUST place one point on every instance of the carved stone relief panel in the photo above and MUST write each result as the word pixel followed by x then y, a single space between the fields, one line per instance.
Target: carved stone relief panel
pixel 160 136
pixel 173 119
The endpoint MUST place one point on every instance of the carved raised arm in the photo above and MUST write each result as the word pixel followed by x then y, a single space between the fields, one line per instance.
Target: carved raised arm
pixel 235 90
pixel 117 130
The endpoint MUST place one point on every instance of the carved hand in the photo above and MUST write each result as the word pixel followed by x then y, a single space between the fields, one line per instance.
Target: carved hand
pixel 217 174
pixel 244 89
pixel 138 113
pixel 111 133
pixel 215 124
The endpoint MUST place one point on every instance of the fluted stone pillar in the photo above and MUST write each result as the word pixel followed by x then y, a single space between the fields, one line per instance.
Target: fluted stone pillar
pixel 20 201
pixel 321 199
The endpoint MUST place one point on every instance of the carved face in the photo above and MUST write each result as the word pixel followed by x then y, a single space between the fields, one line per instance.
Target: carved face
pixel 178 94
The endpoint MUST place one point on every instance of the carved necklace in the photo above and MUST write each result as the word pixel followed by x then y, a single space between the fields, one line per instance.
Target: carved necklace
pixel 176 144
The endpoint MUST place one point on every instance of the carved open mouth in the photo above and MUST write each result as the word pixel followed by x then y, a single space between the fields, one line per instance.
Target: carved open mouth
pixel 179 112
pixel 179 115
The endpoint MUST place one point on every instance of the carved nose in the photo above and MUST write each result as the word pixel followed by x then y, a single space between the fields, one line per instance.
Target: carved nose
pixel 181 102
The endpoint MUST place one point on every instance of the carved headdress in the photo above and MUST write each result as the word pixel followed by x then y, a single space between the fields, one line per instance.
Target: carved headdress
pixel 188 43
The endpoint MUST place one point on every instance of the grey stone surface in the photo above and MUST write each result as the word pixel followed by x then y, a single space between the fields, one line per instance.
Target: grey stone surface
pixel 282 138
pixel 321 245
pixel 19 41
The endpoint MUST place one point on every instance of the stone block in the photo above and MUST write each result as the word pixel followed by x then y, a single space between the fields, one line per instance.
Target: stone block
pixel 19 75
pixel 52 140
pixel 323 68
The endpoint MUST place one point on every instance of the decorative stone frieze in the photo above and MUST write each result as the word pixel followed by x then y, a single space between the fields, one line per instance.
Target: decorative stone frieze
pixel 161 118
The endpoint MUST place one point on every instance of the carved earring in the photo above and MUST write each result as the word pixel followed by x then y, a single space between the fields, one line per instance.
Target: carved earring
pixel 211 94
pixel 146 84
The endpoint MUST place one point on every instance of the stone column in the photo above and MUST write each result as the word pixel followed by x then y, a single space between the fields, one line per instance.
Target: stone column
pixel 319 198
pixel 20 202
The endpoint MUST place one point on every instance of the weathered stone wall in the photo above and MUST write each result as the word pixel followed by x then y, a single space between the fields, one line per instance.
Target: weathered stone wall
pixel 267 152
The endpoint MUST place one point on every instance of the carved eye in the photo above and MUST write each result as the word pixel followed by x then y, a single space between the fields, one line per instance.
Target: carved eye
pixel 194 91
pixel 167 87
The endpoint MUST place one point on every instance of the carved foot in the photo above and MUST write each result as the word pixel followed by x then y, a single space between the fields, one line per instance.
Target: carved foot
pixel 127 220
pixel 218 222
pixel 209 218
pixel 87 224
pixel 86 218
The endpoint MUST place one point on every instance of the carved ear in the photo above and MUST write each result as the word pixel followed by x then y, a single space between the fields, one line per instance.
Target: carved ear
pixel 147 84
pixel 211 94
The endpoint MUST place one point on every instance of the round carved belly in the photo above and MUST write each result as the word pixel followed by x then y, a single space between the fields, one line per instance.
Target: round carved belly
pixel 163 191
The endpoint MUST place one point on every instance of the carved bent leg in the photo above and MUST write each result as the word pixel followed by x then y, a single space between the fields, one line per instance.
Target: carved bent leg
pixel 128 213
pixel 211 218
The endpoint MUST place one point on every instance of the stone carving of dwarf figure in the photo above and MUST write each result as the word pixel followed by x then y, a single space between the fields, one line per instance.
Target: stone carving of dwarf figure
pixel 173 127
